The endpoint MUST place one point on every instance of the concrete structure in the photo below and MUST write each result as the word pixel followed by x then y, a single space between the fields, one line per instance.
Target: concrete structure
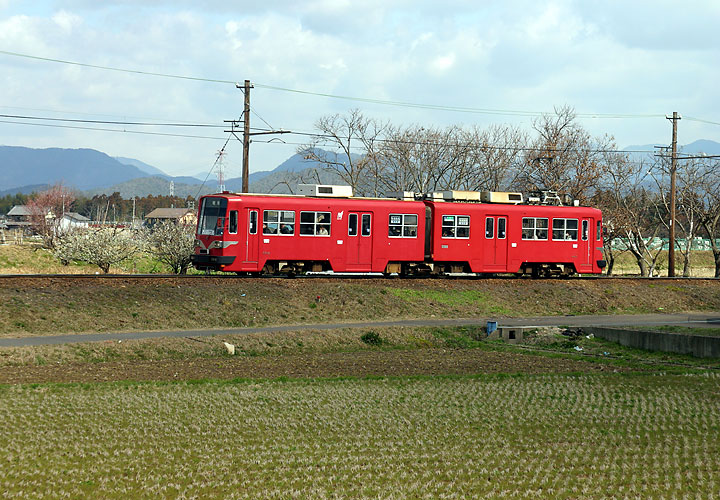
pixel 510 334
pixel 695 345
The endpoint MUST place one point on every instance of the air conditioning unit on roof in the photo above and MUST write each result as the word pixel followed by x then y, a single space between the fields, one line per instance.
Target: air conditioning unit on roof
pixel 325 190
pixel 501 197
pixel 402 195
pixel 461 195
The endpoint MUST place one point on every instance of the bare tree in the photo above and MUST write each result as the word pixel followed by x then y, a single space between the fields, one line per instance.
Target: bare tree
pixel 46 211
pixel 348 145
pixel 290 180
pixel 629 213
pixel 172 244
pixel 710 216
pixel 690 180
pixel 495 158
pixel 564 157
pixel 422 160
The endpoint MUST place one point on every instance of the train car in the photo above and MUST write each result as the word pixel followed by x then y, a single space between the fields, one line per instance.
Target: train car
pixel 539 240
pixel 249 233
pixel 329 230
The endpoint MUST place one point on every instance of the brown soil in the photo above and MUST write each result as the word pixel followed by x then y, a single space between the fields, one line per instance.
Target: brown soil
pixel 343 364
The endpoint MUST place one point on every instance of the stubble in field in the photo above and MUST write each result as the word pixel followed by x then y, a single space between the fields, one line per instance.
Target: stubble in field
pixel 542 436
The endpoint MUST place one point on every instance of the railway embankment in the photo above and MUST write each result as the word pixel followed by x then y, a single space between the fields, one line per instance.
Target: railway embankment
pixel 53 305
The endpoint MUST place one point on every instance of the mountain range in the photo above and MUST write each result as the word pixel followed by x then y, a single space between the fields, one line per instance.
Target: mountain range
pixel 24 170
pixel 91 172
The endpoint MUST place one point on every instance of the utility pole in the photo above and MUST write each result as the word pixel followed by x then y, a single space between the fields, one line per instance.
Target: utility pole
pixel 673 168
pixel 246 138
pixel 246 133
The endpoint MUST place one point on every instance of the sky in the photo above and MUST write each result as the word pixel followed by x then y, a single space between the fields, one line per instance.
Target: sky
pixel 622 66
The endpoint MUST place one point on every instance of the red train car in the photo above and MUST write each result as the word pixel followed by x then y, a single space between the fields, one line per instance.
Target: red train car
pixel 261 233
pixel 249 233
pixel 540 240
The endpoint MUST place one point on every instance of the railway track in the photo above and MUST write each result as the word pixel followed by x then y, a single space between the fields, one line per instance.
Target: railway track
pixel 341 276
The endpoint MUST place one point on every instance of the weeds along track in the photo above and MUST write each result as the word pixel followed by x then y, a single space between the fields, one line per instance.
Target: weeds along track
pixel 340 277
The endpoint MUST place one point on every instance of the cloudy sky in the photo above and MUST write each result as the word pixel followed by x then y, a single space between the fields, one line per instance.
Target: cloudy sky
pixel 621 65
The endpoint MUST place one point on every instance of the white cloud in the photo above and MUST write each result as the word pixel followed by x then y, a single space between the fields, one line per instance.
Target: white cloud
pixel 67 21
pixel 521 55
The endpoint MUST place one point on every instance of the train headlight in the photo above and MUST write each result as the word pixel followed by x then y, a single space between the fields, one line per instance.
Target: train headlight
pixel 216 244
pixel 199 244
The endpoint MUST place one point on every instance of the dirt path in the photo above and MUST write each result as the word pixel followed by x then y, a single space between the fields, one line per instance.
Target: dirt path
pixel 692 319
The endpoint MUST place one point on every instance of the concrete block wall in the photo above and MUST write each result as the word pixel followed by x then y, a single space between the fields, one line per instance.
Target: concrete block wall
pixel 696 345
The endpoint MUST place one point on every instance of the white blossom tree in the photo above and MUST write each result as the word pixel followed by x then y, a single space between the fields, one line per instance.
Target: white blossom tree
pixel 104 247
pixel 172 244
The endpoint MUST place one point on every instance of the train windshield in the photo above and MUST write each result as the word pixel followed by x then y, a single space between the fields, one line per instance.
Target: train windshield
pixel 212 216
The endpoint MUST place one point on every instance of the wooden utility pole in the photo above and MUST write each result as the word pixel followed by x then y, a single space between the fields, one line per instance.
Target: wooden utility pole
pixel 673 167
pixel 246 138
pixel 234 129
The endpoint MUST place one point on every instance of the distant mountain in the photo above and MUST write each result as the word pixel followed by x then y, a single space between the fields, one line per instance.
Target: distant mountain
pixel 702 146
pixel 699 147
pixel 32 188
pixel 148 169
pixel 76 168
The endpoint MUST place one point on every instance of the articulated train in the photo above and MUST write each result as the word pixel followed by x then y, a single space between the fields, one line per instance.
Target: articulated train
pixel 327 229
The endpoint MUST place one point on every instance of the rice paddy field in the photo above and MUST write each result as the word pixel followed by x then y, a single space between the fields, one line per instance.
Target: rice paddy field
pixel 525 436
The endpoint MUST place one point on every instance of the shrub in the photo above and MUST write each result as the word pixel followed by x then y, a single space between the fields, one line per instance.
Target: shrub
pixel 371 338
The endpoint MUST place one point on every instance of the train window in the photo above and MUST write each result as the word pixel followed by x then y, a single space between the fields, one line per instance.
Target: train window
pixel 232 225
pixel 502 222
pixel 315 223
pixel 598 233
pixel 489 228
pixel 279 222
pixel 352 225
pixel 565 229
pixel 585 230
pixel 366 225
pixel 253 222
pixel 534 228
pixel 410 225
pixel 402 225
pixel 455 226
pixel 212 216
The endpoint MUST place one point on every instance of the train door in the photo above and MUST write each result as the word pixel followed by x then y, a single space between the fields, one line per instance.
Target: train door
pixel 496 242
pixel 251 241
pixel 585 245
pixel 359 241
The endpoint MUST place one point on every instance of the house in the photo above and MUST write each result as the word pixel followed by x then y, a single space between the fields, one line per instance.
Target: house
pixel 72 220
pixel 185 216
pixel 19 217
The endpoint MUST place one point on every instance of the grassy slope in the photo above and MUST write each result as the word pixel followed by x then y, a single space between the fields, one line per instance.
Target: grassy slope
pixel 43 306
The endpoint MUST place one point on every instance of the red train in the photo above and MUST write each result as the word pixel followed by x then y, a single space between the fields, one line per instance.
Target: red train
pixel 438 234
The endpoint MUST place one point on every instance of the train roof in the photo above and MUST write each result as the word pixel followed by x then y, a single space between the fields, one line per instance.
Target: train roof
pixel 337 194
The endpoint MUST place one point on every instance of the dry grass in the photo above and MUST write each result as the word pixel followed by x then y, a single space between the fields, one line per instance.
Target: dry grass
pixel 47 306
pixel 492 437
pixel 253 344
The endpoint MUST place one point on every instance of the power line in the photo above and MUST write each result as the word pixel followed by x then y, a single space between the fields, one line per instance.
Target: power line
pixel 435 107
pixel 304 134
pixel 112 122
pixel 140 132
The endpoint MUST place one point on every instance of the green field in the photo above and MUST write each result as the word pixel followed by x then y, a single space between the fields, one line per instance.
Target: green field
pixel 590 436
pixel 326 414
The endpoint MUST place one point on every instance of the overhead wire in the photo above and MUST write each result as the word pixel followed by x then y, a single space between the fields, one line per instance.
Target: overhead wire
pixel 436 107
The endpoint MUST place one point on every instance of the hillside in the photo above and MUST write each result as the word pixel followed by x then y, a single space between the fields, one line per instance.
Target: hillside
pixel 76 168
